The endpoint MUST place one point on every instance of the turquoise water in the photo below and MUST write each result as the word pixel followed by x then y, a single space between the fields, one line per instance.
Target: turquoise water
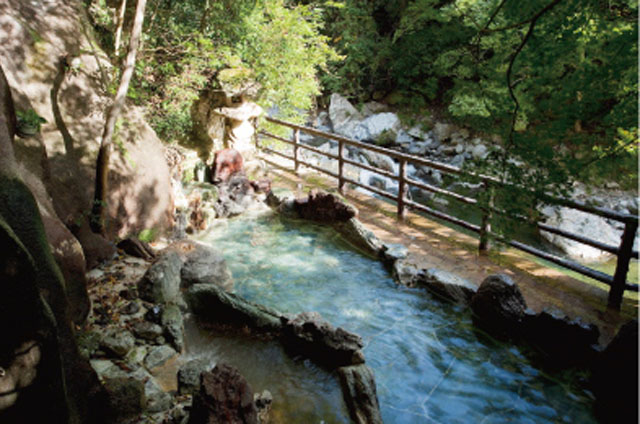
pixel 430 366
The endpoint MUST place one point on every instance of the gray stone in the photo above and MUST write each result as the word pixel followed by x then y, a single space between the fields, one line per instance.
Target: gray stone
pixel 587 225
pixel 498 306
pixel 371 108
pixel 404 138
pixel 107 369
pixel 157 399
pixel 161 282
pixel 480 151
pixel 357 235
pixel 380 123
pixel 391 253
pixel 189 375
pixel 308 334
pixel 212 304
pixel 405 273
pixel 344 117
pixel 146 330
pixel 360 394
pixel 379 160
pixel 458 160
pixel 205 265
pixel 117 341
pixel 173 323
pixel 417 132
pixel 136 356
pixel 159 355
pixel 447 285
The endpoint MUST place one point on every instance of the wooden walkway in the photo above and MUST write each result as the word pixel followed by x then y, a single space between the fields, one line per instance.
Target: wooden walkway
pixel 431 244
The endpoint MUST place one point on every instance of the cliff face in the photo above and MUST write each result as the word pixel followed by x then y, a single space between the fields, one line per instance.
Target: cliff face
pixel 55 67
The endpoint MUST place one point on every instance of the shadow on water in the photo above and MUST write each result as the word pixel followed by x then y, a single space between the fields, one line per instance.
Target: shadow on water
pixel 430 365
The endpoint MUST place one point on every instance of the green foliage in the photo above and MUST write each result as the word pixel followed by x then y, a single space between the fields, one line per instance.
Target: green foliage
pixel 148 235
pixel 30 118
pixel 575 78
pixel 189 43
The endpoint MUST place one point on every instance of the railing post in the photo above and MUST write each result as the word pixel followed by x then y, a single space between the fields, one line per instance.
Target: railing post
pixel 340 167
pixel 402 189
pixel 296 142
pixel 622 267
pixel 485 228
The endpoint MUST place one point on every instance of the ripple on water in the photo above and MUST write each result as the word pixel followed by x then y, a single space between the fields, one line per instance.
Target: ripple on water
pixel 430 365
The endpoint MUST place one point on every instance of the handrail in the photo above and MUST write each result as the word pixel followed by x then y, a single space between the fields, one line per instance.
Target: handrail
pixel 624 251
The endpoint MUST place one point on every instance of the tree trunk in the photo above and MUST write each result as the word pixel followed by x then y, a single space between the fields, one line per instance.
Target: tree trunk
pixel 102 168
pixel 119 25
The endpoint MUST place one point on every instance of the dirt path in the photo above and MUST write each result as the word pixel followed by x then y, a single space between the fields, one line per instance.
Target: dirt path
pixel 431 244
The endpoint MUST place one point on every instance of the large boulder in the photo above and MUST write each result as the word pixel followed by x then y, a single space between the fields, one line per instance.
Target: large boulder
pixel 61 159
pixel 344 117
pixel 498 306
pixel 308 334
pixel 205 265
pixel 324 207
pixel 381 128
pixel 577 222
pixel 224 397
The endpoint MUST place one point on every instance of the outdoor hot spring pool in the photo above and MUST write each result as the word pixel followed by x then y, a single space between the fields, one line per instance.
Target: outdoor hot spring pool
pixel 429 364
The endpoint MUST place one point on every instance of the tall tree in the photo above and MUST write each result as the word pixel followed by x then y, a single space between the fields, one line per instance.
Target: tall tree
pixel 106 143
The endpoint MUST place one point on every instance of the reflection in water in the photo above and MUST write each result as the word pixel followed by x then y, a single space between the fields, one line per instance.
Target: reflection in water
pixel 430 365
pixel 302 392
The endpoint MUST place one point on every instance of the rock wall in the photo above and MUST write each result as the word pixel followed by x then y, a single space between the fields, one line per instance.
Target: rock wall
pixel 54 67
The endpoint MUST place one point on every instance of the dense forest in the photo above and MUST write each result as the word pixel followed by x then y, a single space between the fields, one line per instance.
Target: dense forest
pixel 556 81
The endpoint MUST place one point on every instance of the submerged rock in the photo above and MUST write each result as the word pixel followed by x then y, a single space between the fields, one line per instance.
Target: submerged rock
pixel 360 395
pixel 213 305
pixel 498 306
pixel 224 397
pixel 309 334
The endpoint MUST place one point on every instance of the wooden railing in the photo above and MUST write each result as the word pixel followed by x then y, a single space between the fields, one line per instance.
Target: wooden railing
pixel 624 251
